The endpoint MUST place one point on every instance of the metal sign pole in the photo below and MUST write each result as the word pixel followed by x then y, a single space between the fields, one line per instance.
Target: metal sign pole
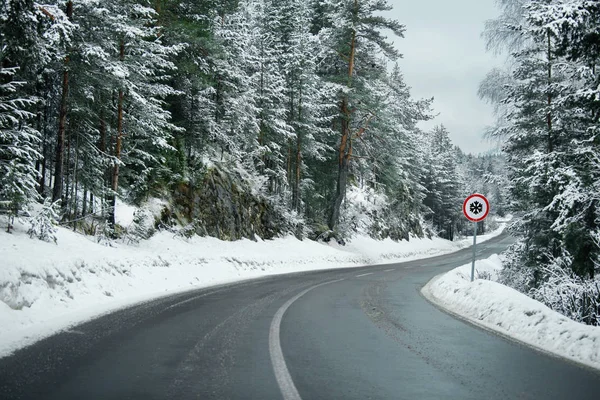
pixel 474 244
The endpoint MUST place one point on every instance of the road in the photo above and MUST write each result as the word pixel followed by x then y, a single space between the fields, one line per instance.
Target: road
pixel 363 333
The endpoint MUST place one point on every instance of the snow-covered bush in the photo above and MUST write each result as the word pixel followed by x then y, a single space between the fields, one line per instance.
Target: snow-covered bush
pixel 362 212
pixel 371 212
pixel 142 227
pixel 569 294
pixel 555 285
pixel 106 234
pixel 514 273
pixel 491 224
pixel 485 275
pixel 43 225
pixel 294 223
pixel 186 231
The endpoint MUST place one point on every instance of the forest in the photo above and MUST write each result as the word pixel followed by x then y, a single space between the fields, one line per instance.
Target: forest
pixel 250 118
pixel 547 102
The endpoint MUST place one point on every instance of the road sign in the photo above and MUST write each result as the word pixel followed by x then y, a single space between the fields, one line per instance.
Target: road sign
pixel 476 207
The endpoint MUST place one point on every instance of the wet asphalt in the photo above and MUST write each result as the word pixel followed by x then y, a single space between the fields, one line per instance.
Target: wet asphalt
pixel 364 337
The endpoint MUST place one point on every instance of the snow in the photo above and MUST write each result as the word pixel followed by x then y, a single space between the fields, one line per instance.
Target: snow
pixel 508 312
pixel 124 213
pixel 47 287
pixel 388 251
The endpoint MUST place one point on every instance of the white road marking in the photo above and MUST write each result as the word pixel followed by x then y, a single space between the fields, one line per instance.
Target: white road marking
pixel 193 298
pixel 389 270
pixel 368 273
pixel 282 374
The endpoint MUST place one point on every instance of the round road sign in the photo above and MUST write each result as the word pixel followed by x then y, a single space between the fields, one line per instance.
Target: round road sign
pixel 476 207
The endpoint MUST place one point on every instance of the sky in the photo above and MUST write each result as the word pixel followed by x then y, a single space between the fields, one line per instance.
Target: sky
pixel 444 57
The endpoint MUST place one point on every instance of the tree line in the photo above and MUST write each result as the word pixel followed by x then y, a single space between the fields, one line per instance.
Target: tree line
pixel 303 100
pixel 548 107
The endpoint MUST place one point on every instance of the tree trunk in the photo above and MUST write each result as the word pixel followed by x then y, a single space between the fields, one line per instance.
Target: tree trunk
pixel 296 187
pixel 75 185
pixel 115 175
pixel 102 146
pixel 343 166
pixel 42 186
pixel 296 191
pixel 261 133
pixel 342 182
pixel 38 162
pixel 84 202
pixel 345 149
pixel 118 147
pixel 60 143
pixel 67 175
pixel 62 122
pixel 292 117
pixel 549 114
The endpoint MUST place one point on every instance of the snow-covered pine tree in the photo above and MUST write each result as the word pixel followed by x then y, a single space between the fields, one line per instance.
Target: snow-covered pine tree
pixel 266 91
pixel 43 225
pixel 442 183
pixel 59 156
pixel 191 22
pixel 309 101
pixel 398 164
pixel 21 54
pixel 385 157
pixel 120 83
pixel 549 112
pixel 352 31
pixel 573 27
pixel 18 144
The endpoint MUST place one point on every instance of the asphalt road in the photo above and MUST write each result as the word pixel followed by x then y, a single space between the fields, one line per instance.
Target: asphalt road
pixel 362 333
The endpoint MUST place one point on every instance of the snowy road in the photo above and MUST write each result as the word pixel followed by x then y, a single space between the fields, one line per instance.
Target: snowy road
pixel 363 333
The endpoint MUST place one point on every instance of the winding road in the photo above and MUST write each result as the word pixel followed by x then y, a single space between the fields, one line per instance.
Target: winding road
pixel 360 333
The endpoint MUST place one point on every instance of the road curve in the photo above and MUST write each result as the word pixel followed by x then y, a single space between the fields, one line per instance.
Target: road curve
pixel 360 333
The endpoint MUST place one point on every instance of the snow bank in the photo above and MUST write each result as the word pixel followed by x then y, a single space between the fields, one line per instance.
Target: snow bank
pixel 46 287
pixel 388 251
pixel 513 314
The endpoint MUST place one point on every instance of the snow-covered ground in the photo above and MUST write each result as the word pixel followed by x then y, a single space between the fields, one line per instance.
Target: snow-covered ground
pixel 46 287
pixel 504 310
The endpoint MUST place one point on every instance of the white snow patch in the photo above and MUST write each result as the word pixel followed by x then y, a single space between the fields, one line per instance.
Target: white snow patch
pixel 506 218
pixel 388 251
pixel 504 310
pixel 124 213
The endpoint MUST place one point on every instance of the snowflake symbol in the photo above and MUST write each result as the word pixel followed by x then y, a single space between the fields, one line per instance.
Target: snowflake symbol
pixel 476 207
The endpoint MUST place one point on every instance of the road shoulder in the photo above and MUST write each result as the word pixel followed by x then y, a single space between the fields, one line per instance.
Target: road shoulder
pixel 513 315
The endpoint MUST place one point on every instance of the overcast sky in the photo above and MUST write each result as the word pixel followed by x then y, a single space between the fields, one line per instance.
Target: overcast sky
pixel 445 58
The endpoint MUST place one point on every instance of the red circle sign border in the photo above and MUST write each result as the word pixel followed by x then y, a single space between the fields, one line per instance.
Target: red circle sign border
pixel 487 211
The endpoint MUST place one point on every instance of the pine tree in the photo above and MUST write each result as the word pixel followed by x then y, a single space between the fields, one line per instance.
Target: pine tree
pixel 291 100
pixel 119 82
pixel 309 100
pixel 549 129
pixel 353 32
pixel 441 181
pixel 19 139
pixel 18 143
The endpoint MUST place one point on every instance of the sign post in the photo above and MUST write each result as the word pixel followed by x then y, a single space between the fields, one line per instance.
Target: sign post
pixel 476 208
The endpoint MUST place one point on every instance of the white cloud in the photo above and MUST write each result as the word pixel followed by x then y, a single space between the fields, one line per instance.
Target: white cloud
pixel 445 58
